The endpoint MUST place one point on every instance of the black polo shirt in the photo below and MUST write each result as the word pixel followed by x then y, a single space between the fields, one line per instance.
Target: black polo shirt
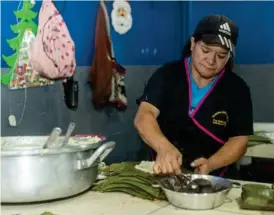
pixel 225 112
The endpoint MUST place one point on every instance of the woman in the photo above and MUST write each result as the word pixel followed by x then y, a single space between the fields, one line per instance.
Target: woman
pixel 196 112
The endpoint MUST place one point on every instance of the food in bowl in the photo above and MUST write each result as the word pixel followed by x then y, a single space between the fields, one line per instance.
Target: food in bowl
pixel 91 139
pixel 182 185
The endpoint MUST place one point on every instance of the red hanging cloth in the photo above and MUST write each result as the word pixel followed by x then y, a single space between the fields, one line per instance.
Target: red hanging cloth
pixel 106 75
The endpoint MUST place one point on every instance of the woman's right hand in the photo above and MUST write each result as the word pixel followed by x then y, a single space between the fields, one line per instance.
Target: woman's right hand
pixel 168 160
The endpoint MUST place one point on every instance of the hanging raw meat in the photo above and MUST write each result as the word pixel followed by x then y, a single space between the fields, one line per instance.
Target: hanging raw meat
pixel 106 75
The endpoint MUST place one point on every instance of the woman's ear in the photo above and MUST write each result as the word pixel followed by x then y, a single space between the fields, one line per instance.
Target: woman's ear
pixel 192 43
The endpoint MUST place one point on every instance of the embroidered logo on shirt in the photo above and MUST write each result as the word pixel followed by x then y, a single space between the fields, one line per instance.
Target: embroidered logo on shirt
pixel 220 118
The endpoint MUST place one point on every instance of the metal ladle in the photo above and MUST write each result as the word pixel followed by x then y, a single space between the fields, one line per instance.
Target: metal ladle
pixel 68 134
pixel 188 180
pixel 52 138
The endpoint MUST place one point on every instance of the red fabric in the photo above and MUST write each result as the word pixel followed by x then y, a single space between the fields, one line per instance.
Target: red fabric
pixel 100 73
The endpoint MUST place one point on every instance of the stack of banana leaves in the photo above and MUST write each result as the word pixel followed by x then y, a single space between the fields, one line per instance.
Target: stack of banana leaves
pixel 257 197
pixel 123 177
pixel 47 213
pixel 260 137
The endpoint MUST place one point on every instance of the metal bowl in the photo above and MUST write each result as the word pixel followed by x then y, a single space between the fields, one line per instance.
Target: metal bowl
pixel 199 201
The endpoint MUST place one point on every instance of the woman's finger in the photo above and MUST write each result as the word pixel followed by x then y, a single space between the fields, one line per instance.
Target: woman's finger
pixel 163 168
pixel 169 167
pixel 176 167
pixel 180 160
pixel 197 170
pixel 157 169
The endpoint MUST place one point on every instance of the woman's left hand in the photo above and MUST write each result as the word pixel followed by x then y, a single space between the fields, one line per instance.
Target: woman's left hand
pixel 202 166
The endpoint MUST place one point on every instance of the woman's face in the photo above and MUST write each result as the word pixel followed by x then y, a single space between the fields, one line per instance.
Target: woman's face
pixel 208 60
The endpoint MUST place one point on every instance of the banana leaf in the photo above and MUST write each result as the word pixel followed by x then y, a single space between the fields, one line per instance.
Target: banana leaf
pixel 123 177
pixel 134 189
pixel 47 213
pixel 258 139
pixel 257 197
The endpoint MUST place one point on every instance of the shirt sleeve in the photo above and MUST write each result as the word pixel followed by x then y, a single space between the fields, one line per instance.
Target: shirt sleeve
pixel 155 89
pixel 241 114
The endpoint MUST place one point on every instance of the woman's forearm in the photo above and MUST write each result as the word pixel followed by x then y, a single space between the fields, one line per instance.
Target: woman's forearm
pixel 150 132
pixel 231 151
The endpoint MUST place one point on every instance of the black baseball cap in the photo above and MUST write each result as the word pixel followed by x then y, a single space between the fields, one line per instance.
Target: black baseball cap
pixel 218 29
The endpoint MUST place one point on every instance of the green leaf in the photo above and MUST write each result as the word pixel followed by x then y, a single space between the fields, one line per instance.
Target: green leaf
pixel 23 25
pixel 5 78
pixel 47 213
pixel 25 14
pixel 10 60
pixel 15 28
pixel 28 5
pixel 14 43
pixel 32 26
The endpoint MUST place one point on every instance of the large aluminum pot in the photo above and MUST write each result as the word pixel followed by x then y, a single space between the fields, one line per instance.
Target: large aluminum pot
pixel 32 174
pixel 197 201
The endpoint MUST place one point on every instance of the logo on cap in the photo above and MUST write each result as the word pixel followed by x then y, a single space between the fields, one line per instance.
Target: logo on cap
pixel 225 29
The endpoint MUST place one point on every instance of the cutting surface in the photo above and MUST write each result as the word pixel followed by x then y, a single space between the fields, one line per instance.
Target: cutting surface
pixel 122 204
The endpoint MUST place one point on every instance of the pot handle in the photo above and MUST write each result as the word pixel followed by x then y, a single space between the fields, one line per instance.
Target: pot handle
pixel 102 152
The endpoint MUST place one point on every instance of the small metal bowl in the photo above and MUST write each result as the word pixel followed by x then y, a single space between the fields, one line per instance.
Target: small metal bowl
pixel 199 201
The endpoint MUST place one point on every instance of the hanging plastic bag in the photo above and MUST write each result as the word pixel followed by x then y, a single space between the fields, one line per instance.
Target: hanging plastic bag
pixel 23 75
pixel 25 20
pixel 53 50
pixel 121 16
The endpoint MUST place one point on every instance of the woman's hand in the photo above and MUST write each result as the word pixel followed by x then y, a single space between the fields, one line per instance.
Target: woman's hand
pixel 168 160
pixel 202 166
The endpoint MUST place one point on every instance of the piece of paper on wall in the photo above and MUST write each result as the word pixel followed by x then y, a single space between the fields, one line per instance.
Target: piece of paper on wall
pixel 23 75
pixel 121 16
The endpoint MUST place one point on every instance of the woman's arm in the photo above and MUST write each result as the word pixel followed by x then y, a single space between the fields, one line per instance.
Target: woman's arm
pixel 231 152
pixel 147 126
pixel 152 102
pixel 239 128
pixel 169 159
pixel 150 105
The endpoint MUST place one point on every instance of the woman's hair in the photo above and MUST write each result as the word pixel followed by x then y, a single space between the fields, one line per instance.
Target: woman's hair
pixel 187 53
